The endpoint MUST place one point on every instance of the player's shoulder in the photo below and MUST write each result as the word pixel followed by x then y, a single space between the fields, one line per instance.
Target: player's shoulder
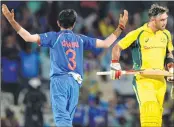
pixel 167 32
pixel 79 35
pixel 136 31
pixel 82 36
pixel 140 29
pixel 50 33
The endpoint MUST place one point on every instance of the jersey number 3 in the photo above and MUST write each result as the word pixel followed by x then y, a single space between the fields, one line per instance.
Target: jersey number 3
pixel 71 59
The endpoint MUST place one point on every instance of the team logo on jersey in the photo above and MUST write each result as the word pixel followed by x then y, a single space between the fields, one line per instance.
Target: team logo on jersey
pixel 146 40
pixel 163 40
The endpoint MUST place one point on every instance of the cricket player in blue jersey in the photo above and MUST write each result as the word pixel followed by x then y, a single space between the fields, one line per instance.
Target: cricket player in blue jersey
pixel 66 56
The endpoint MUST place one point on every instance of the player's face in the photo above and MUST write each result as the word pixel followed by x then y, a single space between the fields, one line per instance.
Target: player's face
pixel 161 21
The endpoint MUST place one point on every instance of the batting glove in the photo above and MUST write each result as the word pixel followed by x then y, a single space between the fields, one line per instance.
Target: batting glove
pixel 171 79
pixel 115 70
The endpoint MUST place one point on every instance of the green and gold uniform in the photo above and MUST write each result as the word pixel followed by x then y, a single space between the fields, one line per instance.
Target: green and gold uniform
pixel 149 51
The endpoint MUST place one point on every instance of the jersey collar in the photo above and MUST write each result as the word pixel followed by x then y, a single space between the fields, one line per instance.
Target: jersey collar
pixel 67 31
pixel 146 28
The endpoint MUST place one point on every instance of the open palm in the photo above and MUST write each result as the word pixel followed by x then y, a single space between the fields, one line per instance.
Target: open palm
pixel 123 18
pixel 9 15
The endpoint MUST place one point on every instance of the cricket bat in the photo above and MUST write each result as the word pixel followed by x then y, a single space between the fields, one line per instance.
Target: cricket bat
pixel 141 72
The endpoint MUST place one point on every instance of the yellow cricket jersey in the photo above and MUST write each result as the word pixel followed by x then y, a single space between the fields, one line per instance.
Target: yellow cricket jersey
pixel 148 48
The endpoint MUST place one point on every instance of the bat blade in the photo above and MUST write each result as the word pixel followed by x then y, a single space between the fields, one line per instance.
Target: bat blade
pixel 141 72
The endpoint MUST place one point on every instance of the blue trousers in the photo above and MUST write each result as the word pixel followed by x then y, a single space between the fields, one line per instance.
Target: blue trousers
pixel 64 94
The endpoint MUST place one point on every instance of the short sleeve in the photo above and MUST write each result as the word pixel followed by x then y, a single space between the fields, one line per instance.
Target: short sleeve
pixel 48 39
pixel 89 43
pixel 128 39
pixel 170 45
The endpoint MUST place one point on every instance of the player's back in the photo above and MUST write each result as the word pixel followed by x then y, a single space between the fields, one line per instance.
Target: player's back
pixel 66 53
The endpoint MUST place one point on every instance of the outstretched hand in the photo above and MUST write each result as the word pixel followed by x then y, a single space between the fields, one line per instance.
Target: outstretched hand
pixel 9 15
pixel 123 18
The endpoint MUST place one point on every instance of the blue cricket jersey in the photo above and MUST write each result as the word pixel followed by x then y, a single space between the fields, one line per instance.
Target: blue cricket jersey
pixel 66 51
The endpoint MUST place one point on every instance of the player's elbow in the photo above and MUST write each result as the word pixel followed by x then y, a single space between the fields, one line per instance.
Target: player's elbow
pixel 26 39
pixel 116 48
pixel 30 38
pixel 106 46
pixel 102 44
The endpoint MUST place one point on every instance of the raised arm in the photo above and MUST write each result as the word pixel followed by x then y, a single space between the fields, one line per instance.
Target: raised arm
pixel 21 31
pixel 111 38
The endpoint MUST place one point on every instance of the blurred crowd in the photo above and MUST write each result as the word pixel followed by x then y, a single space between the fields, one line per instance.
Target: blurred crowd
pixel 25 66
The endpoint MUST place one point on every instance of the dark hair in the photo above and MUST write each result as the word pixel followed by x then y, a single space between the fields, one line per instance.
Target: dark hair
pixel 67 18
pixel 157 9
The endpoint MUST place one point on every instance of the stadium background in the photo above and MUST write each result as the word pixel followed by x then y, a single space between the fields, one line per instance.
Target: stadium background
pixel 25 66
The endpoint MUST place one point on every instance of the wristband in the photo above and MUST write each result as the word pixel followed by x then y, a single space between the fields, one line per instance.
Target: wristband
pixel 19 30
pixel 114 61
pixel 121 26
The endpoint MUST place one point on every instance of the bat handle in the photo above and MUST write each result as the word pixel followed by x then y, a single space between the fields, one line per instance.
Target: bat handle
pixel 104 73
pixel 109 73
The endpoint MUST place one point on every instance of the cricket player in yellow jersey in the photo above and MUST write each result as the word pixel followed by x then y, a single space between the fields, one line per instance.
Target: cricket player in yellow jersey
pixel 151 49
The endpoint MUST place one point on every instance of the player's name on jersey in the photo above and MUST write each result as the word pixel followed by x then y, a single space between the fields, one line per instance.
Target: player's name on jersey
pixel 70 44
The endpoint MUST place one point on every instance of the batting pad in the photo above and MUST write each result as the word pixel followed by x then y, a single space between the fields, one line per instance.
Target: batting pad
pixel 151 114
